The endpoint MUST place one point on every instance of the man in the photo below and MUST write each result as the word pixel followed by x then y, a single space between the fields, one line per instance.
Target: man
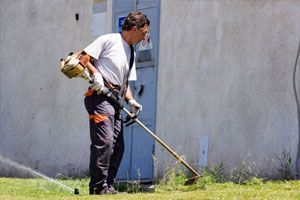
pixel 111 66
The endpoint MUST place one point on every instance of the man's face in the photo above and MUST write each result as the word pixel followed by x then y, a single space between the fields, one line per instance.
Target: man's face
pixel 139 33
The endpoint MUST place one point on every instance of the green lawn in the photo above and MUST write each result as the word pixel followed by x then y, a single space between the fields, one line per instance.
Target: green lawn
pixel 11 188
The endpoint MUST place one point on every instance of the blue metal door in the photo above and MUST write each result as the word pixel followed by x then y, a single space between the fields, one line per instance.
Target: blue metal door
pixel 137 163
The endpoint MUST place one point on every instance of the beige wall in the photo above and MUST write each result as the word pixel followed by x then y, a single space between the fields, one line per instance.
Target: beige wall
pixel 226 72
pixel 43 123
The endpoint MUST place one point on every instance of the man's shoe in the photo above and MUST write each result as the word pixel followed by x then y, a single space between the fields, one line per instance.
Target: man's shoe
pixel 98 191
pixel 102 191
pixel 91 191
pixel 111 190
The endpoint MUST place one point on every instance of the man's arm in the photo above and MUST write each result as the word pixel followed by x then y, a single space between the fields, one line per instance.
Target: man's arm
pixel 135 106
pixel 92 69
pixel 90 60
pixel 128 95
pixel 98 83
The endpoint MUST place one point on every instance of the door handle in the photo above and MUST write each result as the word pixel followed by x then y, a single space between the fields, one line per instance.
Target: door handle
pixel 140 90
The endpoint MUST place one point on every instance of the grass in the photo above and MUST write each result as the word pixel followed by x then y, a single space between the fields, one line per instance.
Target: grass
pixel 11 188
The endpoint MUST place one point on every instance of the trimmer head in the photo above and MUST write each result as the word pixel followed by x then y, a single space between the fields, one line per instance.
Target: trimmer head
pixel 192 180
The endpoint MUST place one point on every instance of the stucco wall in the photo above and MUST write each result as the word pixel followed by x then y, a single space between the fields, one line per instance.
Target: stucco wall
pixel 226 72
pixel 43 123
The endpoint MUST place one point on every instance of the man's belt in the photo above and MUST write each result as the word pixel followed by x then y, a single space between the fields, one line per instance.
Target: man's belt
pixel 112 86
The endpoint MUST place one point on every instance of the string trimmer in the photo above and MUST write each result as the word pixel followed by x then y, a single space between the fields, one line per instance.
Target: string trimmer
pixel 134 119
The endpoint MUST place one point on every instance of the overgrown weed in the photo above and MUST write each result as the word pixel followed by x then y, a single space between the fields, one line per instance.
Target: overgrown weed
pixel 285 161
pixel 242 173
pixel 216 172
pixel 174 179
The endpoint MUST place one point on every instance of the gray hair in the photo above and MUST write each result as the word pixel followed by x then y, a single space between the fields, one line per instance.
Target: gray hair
pixel 135 18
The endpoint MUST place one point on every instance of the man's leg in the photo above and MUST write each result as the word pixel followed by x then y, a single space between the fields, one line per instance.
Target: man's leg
pixel 101 132
pixel 118 150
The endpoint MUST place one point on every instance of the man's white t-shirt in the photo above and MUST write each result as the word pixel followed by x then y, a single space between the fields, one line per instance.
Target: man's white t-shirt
pixel 112 56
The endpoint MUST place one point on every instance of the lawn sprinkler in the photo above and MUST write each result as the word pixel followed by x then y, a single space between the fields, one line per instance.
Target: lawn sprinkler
pixel 37 174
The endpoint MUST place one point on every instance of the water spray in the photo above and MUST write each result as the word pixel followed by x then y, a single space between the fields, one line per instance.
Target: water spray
pixel 31 171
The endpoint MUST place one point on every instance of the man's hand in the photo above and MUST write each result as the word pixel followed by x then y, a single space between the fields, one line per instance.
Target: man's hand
pixel 135 107
pixel 98 84
pixel 85 74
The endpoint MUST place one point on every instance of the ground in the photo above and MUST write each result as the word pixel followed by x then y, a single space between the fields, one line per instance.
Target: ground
pixel 25 189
